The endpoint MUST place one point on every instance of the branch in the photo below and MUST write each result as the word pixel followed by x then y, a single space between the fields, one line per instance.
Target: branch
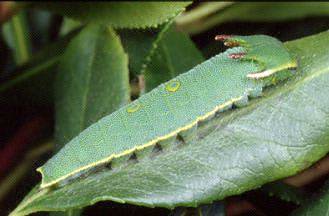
pixel 25 135
pixel 311 174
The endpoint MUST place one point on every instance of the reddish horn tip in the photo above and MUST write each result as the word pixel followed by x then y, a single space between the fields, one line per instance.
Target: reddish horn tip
pixel 236 55
pixel 222 37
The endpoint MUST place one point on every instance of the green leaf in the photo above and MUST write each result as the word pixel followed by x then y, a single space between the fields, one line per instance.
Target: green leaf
pixel 214 209
pixel 285 192
pixel 118 14
pixel 17 36
pixel 68 25
pixel 92 81
pixel 39 63
pixel 273 137
pixel 141 45
pixel 176 53
pixel 72 212
pixel 258 12
pixel 316 205
pixel 31 85
pixel 95 63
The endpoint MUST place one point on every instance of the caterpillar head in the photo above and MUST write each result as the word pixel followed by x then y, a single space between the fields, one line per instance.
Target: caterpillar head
pixel 274 60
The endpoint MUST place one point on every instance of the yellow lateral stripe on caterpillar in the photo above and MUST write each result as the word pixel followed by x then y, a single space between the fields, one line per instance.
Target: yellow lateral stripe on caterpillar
pixel 268 73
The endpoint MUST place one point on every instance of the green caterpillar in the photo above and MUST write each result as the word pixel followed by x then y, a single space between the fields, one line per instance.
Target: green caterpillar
pixel 175 108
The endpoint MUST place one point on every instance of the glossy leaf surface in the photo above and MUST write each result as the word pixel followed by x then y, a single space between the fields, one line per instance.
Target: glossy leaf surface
pixel 92 81
pixel 118 14
pixel 175 54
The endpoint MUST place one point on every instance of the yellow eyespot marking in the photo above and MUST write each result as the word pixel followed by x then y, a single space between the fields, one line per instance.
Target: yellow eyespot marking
pixel 133 108
pixel 173 86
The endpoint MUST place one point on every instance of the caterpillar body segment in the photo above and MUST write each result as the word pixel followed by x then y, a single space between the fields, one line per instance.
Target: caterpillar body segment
pixel 243 101
pixel 120 161
pixel 143 153
pixel 189 134
pixel 167 143
pixel 174 109
pixel 256 92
